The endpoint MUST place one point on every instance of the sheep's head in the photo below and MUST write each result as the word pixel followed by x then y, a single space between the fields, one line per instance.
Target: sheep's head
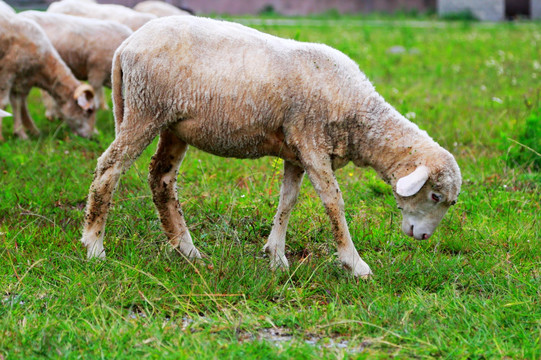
pixel 425 195
pixel 79 113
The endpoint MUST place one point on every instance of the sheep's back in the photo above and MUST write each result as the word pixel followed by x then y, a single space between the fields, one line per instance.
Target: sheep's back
pixel 190 64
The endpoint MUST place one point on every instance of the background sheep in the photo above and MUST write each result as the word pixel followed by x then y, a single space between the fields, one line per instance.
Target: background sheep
pixel 6 9
pixel 236 92
pixel 159 8
pixel 29 59
pixel 131 18
pixel 86 45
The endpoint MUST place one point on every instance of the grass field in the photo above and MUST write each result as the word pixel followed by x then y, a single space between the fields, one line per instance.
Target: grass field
pixel 472 291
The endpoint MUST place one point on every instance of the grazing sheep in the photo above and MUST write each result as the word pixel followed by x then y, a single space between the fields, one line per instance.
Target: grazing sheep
pixel 28 59
pixel 86 46
pixel 124 15
pixel 159 8
pixel 6 9
pixel 236 92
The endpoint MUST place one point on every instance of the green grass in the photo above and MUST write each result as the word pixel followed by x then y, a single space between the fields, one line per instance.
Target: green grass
pixel 471 291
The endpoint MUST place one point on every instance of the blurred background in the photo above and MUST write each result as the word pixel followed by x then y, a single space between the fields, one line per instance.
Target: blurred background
pixel 485 10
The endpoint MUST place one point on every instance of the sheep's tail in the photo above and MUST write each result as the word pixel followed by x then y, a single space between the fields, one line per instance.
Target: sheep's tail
pixel 118 99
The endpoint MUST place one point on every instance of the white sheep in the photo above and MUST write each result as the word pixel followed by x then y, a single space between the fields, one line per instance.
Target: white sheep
pixel 86 45
pixel 28 59
pixel 236 92
pixel 159 8
pixel 122 14
pixel 6 9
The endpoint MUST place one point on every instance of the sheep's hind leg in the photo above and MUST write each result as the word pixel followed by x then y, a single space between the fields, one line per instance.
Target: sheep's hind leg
pixel 118 157
pixel 162 179
pixel 322 177
pixel 289 193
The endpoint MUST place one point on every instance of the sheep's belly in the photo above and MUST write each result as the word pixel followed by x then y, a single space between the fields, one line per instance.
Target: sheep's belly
pixel 225 141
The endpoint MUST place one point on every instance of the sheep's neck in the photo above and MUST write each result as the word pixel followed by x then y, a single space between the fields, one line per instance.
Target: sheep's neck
pixel 389 143
pixel 58 80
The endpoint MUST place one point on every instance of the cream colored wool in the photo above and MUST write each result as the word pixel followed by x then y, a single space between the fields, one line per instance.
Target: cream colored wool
pixel 159 8
pixel 122 14
pixel 28 59
pixel 233 91
pixel 6 9
pixel 86 45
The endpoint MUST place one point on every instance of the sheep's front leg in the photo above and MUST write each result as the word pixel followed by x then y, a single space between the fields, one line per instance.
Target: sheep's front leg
pixel 52 111
pixel 28 122
pixel 162 179
pixel 101 102
pixel 96 80
pixel 289 193
pixel 21 117
pixel 322 177
pixel 16 106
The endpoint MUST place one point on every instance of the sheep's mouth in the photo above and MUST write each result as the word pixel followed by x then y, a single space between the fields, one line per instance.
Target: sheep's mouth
pixel 409 230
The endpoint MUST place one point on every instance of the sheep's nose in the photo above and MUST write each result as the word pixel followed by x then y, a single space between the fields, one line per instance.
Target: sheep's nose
pixel 425 236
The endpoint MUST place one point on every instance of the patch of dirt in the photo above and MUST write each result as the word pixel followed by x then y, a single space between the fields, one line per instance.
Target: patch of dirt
pixel 278 335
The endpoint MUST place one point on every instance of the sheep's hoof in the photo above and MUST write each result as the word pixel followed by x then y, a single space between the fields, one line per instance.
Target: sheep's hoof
pixel 366 277
pixel 279 264
pixel 277 261
pixel 21 135
pixel 189 252
pixel 203 261
pixel 360 269
pixel 95 252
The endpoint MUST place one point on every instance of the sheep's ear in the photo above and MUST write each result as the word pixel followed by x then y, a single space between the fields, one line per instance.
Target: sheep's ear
pixel 409 185
pixel 84 95
pixel 4 113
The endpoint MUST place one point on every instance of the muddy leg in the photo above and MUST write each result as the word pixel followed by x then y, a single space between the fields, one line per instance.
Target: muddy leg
pixel 16 105
pixel 52 111
pixel 128 145
pixel 101 102
pixel 96 80
pixel 27 120
pixel 322 177
pixel 162 179
pixel 289 193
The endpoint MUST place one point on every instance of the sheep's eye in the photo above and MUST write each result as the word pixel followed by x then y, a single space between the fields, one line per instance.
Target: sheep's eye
pixel 436 198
